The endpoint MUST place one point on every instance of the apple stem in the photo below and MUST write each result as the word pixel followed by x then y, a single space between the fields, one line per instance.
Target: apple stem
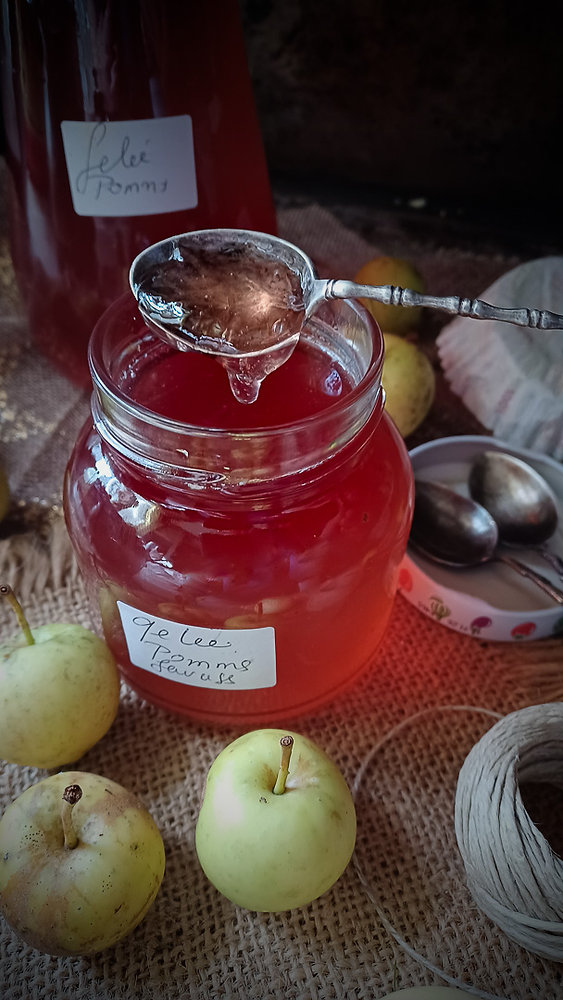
pixel 7 592
pixel 286 744
pixel 71 795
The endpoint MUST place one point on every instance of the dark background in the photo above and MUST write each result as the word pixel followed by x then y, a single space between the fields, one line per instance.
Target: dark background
pixel 454 104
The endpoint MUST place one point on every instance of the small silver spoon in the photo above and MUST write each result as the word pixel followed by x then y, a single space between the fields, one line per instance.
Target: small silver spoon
pixel 172 316
pixel 519 499
pixel 457 531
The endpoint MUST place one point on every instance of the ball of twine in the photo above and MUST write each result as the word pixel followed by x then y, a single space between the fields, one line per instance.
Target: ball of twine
pixel 513 874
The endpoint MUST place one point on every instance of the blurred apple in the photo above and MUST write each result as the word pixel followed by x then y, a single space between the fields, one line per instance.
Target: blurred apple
pixel 277 825
pixel 59 692
pixel 81 862
pixel 4 493
pixel 427 993
pixel 409 383
pixel 383 270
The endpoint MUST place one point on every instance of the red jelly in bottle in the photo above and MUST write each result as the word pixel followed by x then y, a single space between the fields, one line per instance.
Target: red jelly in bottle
pixel 243 557
pixel 125 121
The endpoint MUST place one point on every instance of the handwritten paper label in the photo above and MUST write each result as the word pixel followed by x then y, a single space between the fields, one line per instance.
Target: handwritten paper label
pixel 218 659
pixel 142 167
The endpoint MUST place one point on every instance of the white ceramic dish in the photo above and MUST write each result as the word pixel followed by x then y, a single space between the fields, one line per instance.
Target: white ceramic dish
pixel 491 601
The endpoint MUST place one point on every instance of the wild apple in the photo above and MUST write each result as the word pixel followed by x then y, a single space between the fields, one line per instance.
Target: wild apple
pixel 59 692
pixel 81 862
pixel 277 825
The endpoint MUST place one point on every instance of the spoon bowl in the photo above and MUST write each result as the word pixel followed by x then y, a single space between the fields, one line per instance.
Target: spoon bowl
pixel 229 292
pixel 455 530
pixel 450 528
pixel 517 497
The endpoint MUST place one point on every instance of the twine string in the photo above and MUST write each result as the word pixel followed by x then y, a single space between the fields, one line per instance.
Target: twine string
pixel 512 873
pixel 357 784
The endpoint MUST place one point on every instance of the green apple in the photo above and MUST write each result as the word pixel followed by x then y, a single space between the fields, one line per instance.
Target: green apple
pixel 81 862
pixel 59 692
pixel 277 825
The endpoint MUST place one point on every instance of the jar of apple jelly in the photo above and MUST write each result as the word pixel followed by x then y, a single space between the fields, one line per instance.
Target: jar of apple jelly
pixel 243 557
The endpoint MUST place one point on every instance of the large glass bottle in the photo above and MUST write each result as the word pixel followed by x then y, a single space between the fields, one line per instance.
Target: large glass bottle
pixel 126 121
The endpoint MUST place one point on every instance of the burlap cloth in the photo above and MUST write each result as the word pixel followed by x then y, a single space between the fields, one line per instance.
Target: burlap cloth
pixel 400 915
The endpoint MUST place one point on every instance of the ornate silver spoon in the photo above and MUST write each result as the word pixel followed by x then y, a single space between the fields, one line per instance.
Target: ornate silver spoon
pixel 266 290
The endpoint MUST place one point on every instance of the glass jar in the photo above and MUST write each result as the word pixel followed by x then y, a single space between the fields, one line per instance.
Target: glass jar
pixel 243 558
pixel 124 122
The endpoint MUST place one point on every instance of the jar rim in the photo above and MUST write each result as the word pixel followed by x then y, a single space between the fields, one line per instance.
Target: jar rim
pixel 103 380
pixel 208 455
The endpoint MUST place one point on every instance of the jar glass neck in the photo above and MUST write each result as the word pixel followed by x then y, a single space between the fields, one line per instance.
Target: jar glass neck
pixel 202 456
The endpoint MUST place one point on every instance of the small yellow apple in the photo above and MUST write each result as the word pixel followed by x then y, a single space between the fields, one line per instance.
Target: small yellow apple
pixel 409 383
pixel 392 271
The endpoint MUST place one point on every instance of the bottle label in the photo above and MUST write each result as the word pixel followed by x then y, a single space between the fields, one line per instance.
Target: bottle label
pixel 142 167
pixel 218 659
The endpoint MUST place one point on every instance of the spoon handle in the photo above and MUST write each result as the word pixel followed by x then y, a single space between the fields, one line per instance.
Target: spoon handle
pixel 541 581
pixel 394 295
pixel 555 561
